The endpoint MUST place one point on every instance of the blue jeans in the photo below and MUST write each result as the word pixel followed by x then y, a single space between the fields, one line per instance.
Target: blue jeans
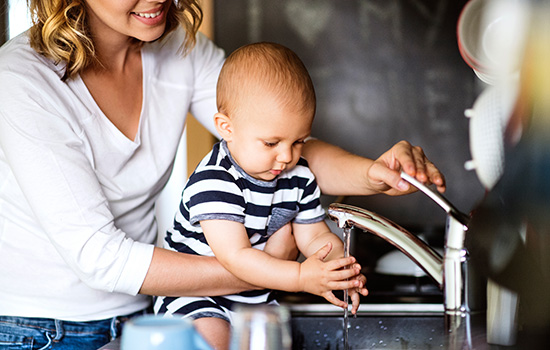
pixel 23 333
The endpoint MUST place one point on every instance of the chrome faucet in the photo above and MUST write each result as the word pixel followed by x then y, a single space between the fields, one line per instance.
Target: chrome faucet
pixel 448 272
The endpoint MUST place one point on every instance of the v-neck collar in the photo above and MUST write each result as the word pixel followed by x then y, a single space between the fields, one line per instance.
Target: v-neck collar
pixel 90 102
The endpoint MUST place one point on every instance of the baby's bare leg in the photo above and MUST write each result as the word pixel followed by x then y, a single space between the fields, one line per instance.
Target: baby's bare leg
pixel 215 331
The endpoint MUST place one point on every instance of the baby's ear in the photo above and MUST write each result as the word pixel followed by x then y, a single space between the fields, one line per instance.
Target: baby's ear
pixel 224 126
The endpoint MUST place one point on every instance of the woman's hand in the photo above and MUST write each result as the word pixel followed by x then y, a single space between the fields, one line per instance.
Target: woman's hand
pixel 384 173
pixel 341 173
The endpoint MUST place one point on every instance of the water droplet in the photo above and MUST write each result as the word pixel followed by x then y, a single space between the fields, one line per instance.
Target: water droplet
pixel 318 332
pixel 357 327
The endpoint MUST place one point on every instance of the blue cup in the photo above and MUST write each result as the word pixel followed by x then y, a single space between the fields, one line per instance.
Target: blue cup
pixel 152 332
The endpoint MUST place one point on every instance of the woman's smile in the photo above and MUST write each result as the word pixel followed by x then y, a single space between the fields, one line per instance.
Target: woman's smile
pixel 148 15
pixel 122 19
pixel 152 17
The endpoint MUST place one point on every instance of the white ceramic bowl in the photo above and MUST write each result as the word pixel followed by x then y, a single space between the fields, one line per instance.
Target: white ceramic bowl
pixel 491 36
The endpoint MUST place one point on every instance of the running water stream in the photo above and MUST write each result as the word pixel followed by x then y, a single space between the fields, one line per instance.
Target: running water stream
pixel 347 234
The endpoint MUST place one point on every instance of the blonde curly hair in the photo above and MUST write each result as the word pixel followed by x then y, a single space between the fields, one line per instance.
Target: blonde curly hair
pixel 60 30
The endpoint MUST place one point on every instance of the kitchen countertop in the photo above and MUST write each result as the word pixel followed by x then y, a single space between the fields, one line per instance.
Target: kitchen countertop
pixel 380 326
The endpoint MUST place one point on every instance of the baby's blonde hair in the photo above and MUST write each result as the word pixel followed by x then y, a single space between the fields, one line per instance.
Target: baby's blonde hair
pixel 267 68
pixel 60 31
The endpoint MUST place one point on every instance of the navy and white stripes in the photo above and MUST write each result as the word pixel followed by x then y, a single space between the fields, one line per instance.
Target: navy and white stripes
pixel 219 189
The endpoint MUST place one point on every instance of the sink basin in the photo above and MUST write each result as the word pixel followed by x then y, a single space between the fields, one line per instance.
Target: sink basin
pixel 377 326
pixel 380 332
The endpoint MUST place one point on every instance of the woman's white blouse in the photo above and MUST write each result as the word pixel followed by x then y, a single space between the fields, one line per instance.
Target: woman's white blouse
pixel 77 226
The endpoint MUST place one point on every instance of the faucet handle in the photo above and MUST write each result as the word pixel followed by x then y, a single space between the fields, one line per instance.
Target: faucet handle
pixel 438 198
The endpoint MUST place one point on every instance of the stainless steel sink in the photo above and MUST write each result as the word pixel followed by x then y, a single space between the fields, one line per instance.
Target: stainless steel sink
pixel 398 324
pixel 377 326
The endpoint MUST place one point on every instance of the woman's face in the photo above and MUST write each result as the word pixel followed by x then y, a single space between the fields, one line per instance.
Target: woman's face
pixel 144 20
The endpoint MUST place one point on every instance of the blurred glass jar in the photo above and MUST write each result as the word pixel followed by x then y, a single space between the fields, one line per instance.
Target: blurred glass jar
pixel 261 327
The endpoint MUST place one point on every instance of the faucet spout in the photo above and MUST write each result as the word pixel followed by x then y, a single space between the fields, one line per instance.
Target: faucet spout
pixel 416 249
pixel 450 272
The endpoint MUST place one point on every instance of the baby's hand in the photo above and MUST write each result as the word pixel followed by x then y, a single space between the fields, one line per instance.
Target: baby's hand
pixel 321 278
pixel 355 293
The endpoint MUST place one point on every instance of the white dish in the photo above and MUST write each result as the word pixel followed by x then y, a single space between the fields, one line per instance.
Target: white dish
pixel 398 264
pixel 491 36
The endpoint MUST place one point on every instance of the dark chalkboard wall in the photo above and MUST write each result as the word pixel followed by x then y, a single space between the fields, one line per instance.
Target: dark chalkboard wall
pixel 3 21
pixel 383 70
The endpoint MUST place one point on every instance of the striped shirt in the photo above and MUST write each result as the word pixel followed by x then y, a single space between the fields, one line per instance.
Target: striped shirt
pixel 220 189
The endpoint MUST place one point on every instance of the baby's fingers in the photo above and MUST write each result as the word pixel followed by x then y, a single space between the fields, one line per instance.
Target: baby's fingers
pixel 355 299
pixel 344 274
pixel 331 298
pixel 363 291
pixel 343 284
pixel 363 281
pixel 338 264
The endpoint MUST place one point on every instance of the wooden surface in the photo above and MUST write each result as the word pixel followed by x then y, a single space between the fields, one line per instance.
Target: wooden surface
pixel 200 140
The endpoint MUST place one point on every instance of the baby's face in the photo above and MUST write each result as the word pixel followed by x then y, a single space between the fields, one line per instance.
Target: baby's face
pixel 268 138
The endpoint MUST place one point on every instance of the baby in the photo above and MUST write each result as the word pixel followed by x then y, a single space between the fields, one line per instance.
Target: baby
pixel 253 183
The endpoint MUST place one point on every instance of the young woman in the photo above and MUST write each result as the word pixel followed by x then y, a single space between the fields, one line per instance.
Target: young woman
pixel 93 103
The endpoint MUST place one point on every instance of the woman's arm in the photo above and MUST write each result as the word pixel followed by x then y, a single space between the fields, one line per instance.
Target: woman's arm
pixel 195 275
pixel 175 274
pixel 339 172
